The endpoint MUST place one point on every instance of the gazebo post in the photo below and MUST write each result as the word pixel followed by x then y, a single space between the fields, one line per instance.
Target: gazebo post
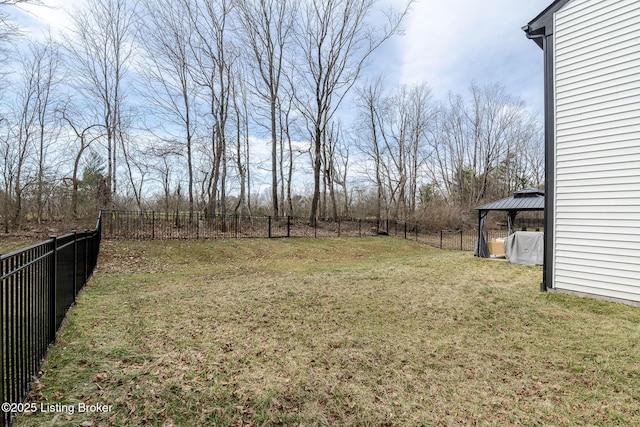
pixel 481 249
pixel 512 221
pixel 479 233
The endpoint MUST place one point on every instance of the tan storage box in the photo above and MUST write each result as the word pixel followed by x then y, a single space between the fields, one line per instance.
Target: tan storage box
pixel 496 248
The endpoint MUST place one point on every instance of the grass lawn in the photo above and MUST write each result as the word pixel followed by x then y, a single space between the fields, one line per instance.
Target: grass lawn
pixel 339 332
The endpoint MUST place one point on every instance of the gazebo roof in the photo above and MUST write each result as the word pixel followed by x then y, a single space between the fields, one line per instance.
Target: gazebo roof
pixel 528 199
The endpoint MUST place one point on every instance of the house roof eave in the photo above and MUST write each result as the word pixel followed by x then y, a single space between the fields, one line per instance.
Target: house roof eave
pixel 542 25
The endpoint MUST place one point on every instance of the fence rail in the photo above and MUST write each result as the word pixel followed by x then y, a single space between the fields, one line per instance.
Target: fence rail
pixel 127 225
pixel 39 284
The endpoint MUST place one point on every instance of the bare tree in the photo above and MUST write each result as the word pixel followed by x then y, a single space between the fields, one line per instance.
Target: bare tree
pixel 341 169
pixel 267 26
pixel 449 148
pixel 334 40
pixel 479 145
pixel 7 171
pixel 31 122
pixel 137 164
pixel 31 99
pixel 534 157
pixel 331 150
pixel 164 157
pixel 8 29
pixel 373 112
pixel 100 49
pixel 286 123
pixel 85 134
pixel 242 147
pixel 45 65
pixel 19 2
pixel 410 118
pixel 213 58
pixel 493 119
pixel 216 78
pixel 170 88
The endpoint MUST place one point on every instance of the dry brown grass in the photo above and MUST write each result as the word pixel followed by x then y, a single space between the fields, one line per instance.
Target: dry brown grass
pixel 375 331
pixel 11 243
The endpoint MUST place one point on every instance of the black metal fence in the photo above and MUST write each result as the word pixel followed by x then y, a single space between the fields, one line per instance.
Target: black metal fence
pixel 455 240
pixel 39 284
pixel 130 225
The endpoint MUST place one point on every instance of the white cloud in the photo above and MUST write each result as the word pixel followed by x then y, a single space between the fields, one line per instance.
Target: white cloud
pixel 450 44
pixel 36 20
pixel 447 44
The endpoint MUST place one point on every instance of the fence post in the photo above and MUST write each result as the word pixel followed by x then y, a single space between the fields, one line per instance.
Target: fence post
pixel 288 225
pixel 237 222
pixel 86 254
pixel 440 239
pixel 269 226
pixel 360 227
pixel 405 230
pixel 5 374
pixel 75 264
pixel 338 227
pixel 153 225
pixel 315 227
pixel 197 225
pixel 460 239
pixel 52 289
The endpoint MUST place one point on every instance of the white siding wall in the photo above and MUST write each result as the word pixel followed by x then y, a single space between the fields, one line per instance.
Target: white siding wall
pixel 597 198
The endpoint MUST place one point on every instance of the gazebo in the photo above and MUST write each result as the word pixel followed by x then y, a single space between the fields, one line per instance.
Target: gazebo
pixel 529 199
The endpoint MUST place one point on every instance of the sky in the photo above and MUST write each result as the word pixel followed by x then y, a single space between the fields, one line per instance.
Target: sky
pixel 451 43
pixel 446 44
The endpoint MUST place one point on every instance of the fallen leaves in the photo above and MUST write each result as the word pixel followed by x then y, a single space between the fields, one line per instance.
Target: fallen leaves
pixel 344 332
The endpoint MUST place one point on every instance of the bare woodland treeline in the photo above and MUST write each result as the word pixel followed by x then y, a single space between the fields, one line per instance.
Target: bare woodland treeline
pixel 244 107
